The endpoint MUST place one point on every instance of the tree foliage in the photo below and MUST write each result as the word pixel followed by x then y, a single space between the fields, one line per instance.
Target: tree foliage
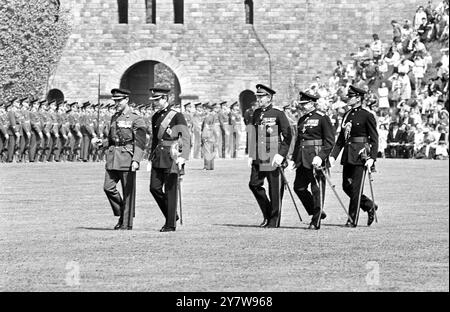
pixel 33 34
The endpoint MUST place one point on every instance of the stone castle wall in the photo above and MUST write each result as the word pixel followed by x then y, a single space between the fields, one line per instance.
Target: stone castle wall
pixel 215 54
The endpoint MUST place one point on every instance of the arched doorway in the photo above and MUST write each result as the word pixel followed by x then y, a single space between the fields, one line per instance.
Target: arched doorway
pixel 245 100
pixel 55 94
pixel 147 74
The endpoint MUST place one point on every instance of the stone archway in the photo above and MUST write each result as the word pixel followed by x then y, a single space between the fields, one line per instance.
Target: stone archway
pixel 55 94
pixel 149 54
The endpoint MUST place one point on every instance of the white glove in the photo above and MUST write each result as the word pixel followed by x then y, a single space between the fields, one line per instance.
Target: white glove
pixel 96 141
pixel 317 161
pixel 332 161
pixel 180 162
pixel 277 160
pixel 134 165
pixel 369 163
pixel 249 162
pixel 291 165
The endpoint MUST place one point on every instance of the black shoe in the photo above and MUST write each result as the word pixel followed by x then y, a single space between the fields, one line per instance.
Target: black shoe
pixel 118 225
pixel 264 223
pixel 323 215
pixel 124 227
pixel 177 218
pixel 350 224
pixel 312 226
pixel 270 225
pixel 371 214
pixel 167 229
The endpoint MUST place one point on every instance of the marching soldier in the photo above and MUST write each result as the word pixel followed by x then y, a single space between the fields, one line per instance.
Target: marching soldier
pixel 36 132
pixel 269 139
pixel 4 136
pixel 209 138
pixel 75 130
pixel 359 140
pixel 25 135
pixel 315 139
pixel 235 123
pixel 46 125
pixel 224 147
pixel 168 155
pixel 14 127
pixel 197 119
pixel 125 144
pixel 54 131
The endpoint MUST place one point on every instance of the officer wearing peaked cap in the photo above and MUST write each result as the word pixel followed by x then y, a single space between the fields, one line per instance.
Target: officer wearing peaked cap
pixel 269 139
pixel 125 143
pixel 169 152
pixel 359 141
pixel 315 139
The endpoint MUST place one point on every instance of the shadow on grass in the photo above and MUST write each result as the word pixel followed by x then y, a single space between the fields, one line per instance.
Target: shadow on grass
pixel 258 227
pixel 94 228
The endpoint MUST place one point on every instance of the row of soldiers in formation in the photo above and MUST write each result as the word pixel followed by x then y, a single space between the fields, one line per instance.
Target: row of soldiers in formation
pixel 33 130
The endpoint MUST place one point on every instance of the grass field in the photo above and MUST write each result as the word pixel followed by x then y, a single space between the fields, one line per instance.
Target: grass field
pixel 55 222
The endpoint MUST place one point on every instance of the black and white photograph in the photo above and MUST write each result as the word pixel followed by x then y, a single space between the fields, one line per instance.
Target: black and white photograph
pixel 241 148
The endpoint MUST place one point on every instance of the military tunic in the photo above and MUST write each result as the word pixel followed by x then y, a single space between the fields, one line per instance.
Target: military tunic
pixel 170 135
pixel 269 134
pixel 358 139
pixel 315 137
pixel 125 144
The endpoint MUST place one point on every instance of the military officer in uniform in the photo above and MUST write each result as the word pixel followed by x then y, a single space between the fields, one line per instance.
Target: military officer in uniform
pixel 126 143
pixel 25 124
pixel 36 131
pixel 269 140
pixel 4 136
pixel 209 138
pixel 169 152
pixel 315 139
pixel 359 140
pixel 235 123
pixel 14 128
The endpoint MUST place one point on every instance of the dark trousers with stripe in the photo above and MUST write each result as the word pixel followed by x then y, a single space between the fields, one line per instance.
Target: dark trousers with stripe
pixel 270 206
pixel 163 187
pixel 121 207
pixel 351 184
pixel 310 200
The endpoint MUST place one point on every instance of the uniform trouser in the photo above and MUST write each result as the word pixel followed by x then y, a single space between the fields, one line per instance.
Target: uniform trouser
pixel 351 184
pixel 310 200
pixel 209 153
pixel 54 148
pixel 226 141
pixel 121 207
pixel 270 208
pixel 47 143
pixel 75 147
pixel 3 144
pixel 235 137
pixel 35 145
pixel 24 143
pixel 197 141
pixel 219 139
pixel 85 147
pixel 167 200
pixel 11 146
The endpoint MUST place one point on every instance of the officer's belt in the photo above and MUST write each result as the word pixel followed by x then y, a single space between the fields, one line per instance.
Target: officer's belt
pixel 123 143
pixel 167 143
pixel 312 142
pixel 358 139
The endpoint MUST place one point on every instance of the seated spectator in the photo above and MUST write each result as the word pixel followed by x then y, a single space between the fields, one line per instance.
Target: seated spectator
pixel 377 47
pixel 419 17
pixel 383 93
pixel 340 70
pixel 367 54
pixel 370 73
pixel 394 140
pixel 442 147
pixel 422 30
pixel 408 141
pixel 396 31
pixel 426 146
pixel 333 83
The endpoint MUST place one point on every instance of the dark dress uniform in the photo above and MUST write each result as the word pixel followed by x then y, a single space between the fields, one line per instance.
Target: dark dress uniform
pixel 359 140
pixel 271 135
pixel 14 130
pixel 170 134
pixel 315 137
pixel 125 143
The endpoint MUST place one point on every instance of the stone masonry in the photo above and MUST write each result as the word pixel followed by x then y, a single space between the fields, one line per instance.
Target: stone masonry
pixel 215 54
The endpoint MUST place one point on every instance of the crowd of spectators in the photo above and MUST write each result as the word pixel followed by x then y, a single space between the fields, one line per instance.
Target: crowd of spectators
pixel 407 84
